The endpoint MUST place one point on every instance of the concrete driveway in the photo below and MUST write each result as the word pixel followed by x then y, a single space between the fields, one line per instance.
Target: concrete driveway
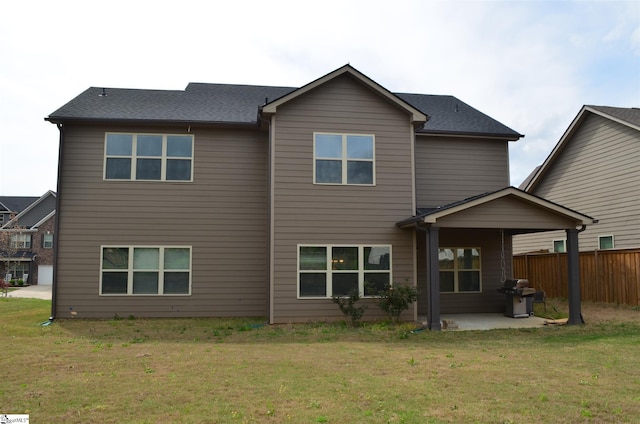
pixel 34 292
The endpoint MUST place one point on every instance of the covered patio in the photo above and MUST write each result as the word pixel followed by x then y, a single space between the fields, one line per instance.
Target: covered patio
pixel 487 222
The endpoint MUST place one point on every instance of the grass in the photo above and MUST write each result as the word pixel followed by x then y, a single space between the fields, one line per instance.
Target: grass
pixel 241 371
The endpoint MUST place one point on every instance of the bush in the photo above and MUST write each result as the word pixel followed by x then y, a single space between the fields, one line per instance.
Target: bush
pixel 348 308
pixel 393 300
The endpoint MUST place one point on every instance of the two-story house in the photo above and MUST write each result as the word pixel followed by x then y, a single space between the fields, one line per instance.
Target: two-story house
pixel 26 251
pixel 232 200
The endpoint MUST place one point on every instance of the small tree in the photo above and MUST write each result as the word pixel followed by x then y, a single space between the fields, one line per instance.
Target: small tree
pixel 393 300
pixel 348 307
pixel 9 249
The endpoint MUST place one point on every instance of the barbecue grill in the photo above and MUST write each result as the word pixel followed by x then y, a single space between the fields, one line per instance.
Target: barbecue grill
pixel 516 292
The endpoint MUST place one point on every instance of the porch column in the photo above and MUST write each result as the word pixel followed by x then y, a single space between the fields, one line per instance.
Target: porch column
pixel 573 263
pixel 433 279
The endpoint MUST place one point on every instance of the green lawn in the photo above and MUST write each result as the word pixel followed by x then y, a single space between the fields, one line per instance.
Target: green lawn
pixel 240 371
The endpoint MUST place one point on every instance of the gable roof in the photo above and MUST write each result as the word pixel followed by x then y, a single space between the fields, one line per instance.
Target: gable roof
pixel 230 104
pixel 36 213
pixel 15 203
pixel 431 215
pixel 416 115
pixel 629 117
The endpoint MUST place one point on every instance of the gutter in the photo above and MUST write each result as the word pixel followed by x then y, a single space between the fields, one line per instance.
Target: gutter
pixel 56 242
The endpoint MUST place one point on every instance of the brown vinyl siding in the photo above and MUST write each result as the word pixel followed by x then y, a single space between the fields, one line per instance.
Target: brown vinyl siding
pixel 449 169
pixel 222 215
pixel 597 173
pixel 306 213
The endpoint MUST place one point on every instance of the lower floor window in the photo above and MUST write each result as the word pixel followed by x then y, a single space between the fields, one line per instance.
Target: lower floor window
pixel 336 270
pixel 459 270
pixel 145 270
pixel 605 242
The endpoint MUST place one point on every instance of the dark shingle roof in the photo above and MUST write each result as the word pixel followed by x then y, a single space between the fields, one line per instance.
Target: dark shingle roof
pixel 239 104
pixel 16 203
pixel 630 115
pixel 448 114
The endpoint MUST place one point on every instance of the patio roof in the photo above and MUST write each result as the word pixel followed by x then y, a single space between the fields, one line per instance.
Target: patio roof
pixel 507 208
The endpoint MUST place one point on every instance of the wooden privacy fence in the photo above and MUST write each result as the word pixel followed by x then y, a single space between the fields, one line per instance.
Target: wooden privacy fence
pixel 611 276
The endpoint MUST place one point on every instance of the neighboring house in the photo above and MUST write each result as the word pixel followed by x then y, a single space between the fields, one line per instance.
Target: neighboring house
pixel 595 167
pixel 30 235
pixel 235 200
pixel 13 205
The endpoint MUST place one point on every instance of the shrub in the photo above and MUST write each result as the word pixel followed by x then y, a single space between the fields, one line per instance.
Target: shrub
pixel 348 307
pixel 393 300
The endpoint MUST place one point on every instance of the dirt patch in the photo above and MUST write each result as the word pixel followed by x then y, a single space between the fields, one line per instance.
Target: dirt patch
pixel 601 312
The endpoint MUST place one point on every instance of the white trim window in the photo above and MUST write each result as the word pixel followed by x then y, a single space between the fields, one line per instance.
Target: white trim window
pixel 560 246
pixel 346 159
pixel 460 270
pixel 606 242
pixel 336 270
pixel 21 241
pixel 145 270
pixel 148 157
pixel 47 241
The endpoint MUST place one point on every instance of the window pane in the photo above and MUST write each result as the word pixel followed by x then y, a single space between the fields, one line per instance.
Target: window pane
pixel 146 258
pixel 119 144
pixel 328 146
pixel 606 242
pixel 375 282
pixel 313 258
pixel 328 171
pixel 558 246
pixel 118 169
pixel 313 284
pixel 359 172
pixel 149 145
pixel 148 169
pixel 145 283
pixel 344 283
pixel 359 147
pixel 176 258
pixel 115 258
pixel 47 241
pixel 446 281
pixel 176 283
pixel 179 146
pixel 445 259
pixel 178 169
pixel 469 281
pixel 376 257
pixel 344 258
pixel 468 258
pixel 114 282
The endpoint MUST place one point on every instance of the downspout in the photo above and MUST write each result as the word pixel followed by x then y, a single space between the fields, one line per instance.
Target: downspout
pixel 56 240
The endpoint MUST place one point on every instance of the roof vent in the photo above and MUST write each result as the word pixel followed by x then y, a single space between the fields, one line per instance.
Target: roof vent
pixel 457 110
pixel 104 93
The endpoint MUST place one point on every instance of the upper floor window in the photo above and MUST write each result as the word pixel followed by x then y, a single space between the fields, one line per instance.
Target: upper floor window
pixel 148 157
pixel 605 242
pixel 326 271
pixel 21 241
pixel 47 241
pixel 344 159
pixel 459 270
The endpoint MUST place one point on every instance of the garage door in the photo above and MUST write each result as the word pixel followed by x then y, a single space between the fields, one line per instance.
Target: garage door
pixel 45 275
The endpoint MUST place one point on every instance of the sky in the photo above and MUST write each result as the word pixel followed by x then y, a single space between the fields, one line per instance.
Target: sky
pixel 531 65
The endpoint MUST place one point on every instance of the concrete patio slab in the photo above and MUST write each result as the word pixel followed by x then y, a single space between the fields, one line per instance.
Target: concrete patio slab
pixel 489 321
